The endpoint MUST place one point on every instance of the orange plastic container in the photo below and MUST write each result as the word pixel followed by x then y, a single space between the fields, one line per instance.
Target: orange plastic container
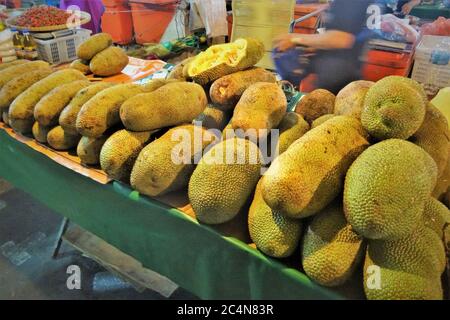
pixel 150 20
pixel 308 26
pixel 380 64
pixel 117 21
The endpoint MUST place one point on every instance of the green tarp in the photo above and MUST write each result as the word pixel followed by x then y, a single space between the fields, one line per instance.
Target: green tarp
pixel 431 12
pixel 162 238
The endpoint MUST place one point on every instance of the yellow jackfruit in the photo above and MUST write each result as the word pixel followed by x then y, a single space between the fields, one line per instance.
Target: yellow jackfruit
pixel 81 65
pixel 321 120
pixel 273 233
pixel 62 141
pixel 40 132
pixel 223 59
pixel 316 104
pixel 109 62
pixel 9 74
pixel 350 100
pixel 94 45
pixel 292 128
pixel 310 174
pixel 88 149
pixel 177 72
pixel 7 65
pixel 386 189
pixel 224 180
pixel 331 250
pixel 213 118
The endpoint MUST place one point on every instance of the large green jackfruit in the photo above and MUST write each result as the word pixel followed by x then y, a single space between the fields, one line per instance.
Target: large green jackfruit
pixel 386 189
pixel 331 250
pixel 273 233
pixel 436 216
pixel 310 174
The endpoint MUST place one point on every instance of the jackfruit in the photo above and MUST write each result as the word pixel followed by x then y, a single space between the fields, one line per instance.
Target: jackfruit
pixel 81 65
pixel 316 104
pixel 48 109
pixel 261 108
pixel 321 120
pixel 94 45
pixel 7 65
pixel 331 250
pixel 434 137
pixel 173 104
pixel 436 216
pixel 213 118
pixel 227 90
pixel 443 182
pixel 386 189
pixel 350 100
pixel 292 128
pixel 223 59
pixel 166 164
pixel 88 149
pixel 408 268
pixel 273 233
pixel 40 132
pixel 224 180
pixel 177 72
pixel 406 81
pixel 68 117
pixel 120 152
pixel 310 174
pixel 393 109
pixel 9 74
pixel 62 141
pixel 109 62
pixel 103 110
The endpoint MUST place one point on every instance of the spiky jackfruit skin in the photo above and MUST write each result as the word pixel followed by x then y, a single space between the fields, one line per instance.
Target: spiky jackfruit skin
pixel 81 65
pixel 103 110
pixel 350 100
pixel 157 172
pixel 406 81
pixel 292 128
pixel 227 91
pixel 40 132
pixel 94 45
pixel 393 109
pixel 19 84
pixel 109 62
pixel 88 149
pixel 316 104
pixel 218 189
pixel 310 174
pixel 321 120
pixel 62 141
pixel 386 189
pixel 436 216
pixel 409 268
pixel 177 72
pixel 48 109
pixel 434 137
pixel 9 74
pixel 261 108
pixel 120 152
pixel 21 110
pixel 252 53
pixel 172 104
pixel 68 117
pixel 213 118
pixel 331 250
pixel 273 233
pixel 443 182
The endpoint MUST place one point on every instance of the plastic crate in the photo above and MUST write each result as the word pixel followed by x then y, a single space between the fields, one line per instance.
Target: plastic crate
pixel 432 63
pixel 62 49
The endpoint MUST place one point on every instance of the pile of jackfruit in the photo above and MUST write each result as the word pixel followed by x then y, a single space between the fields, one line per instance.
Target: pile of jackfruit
pixel 348 186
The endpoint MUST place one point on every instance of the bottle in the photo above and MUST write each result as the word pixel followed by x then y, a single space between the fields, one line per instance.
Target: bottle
pixel 29 46
pixel 18 43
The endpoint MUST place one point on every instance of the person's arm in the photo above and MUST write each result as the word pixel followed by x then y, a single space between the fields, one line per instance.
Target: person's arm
pixel 332 39
pixel 407 7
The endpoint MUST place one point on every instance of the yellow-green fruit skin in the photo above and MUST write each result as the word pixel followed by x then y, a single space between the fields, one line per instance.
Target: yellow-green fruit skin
pixel 68 117
pixel 48 109
pixel 310 174
pixel 213 118
pixel 350 100
pixel 386 189
pixel 226 91
pixel 7 65
pixel 316 104
pixel 393 109
pixel 40 132
pixel 405 269
pixel 81 65
pixel 21 110
pixel 436 216
pixel 120 151
pixel 219 189
pixel 408 82
pixel 261 108
pixel 292 128
pixel 177 72
pixel 331 250
pixel 434 137
pixel 60 140
pixel 103 110
pixel 157 172
pixel 254 52
pixel 443 183
pixel 321 120
pixel 94 45
pixel 273 233
pixel 88 149
pixel 109 62
pixel 19 84
pixel 9 74
pixel 172 104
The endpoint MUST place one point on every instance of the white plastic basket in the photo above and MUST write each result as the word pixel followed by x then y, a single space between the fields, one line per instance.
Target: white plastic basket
pixel 431 71
pixel 61 49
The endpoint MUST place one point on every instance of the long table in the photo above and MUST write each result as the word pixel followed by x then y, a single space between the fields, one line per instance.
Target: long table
pixel 163 238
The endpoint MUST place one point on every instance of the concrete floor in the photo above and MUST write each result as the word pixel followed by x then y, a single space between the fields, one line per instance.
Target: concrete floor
pixel 27 235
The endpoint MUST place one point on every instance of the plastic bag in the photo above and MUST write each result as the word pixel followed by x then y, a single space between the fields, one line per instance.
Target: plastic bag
pixel 439 27
pixel 396 29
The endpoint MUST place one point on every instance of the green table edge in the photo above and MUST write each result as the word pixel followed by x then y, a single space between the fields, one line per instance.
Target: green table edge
pixel 164 239
pixel 430 12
